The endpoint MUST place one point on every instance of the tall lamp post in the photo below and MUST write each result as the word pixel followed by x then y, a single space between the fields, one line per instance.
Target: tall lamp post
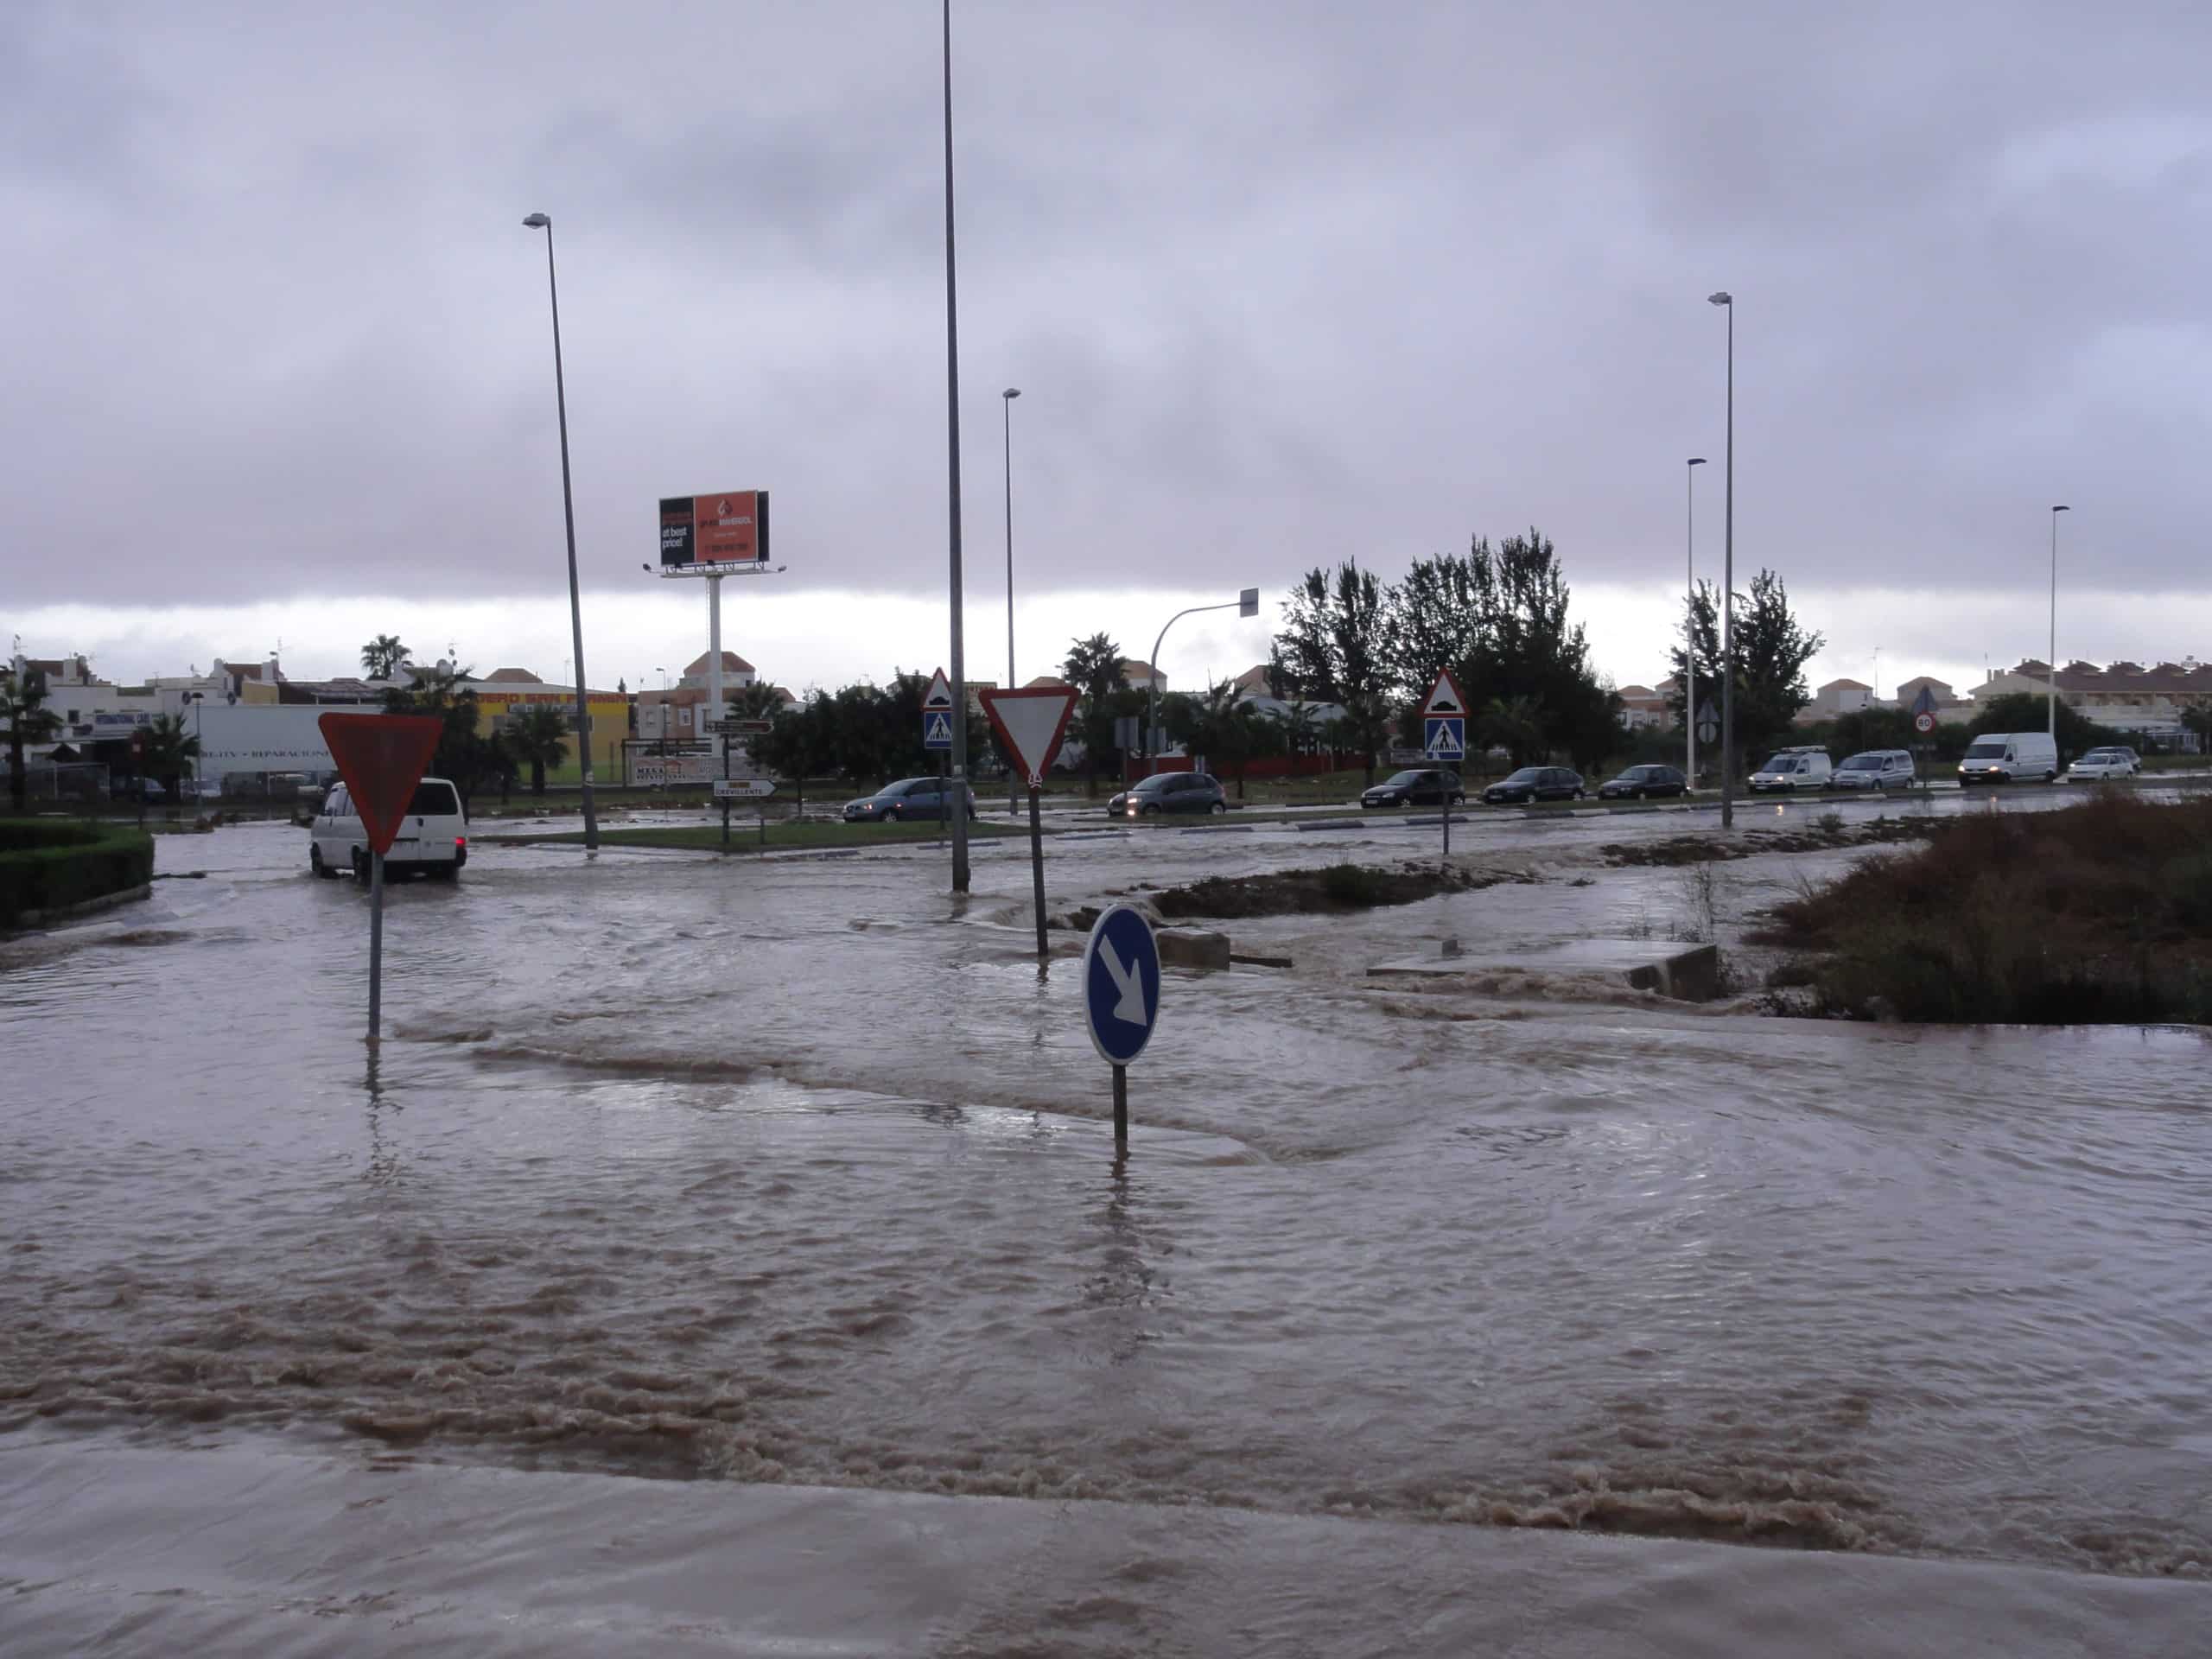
pixel 544 222
pixel 1006 407
pixel 1727 302
pixel 2053 682
pixel 1690 630
pixel 952 474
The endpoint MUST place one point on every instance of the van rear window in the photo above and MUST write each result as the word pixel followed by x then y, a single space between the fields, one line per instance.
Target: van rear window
pixel 433 799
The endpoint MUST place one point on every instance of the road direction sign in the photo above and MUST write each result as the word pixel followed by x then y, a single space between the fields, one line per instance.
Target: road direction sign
pixel 936 729
pixel 1923 722
pixel 1029 724
pixel 744 789
pixel 939 696
pixel 1121 984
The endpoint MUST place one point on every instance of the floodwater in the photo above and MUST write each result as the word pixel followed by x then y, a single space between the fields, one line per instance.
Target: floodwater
pixel 795 1173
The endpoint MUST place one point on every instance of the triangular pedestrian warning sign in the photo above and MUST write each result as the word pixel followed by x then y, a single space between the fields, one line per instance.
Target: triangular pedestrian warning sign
pixel 1029 724
pixel 938 728
pixel 382 757
pixel 1444 696
pixel 939 696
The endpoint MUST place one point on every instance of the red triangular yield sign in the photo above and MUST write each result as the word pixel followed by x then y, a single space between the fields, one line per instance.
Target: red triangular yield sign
pixel 1030 724
pixel 382 757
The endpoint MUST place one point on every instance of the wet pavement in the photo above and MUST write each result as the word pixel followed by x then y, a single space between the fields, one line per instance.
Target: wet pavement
pixel 795 1171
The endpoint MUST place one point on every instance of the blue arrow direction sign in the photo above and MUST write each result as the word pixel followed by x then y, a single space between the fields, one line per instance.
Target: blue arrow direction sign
pixel 937 730
pixel 1121 984
pixel 1447 738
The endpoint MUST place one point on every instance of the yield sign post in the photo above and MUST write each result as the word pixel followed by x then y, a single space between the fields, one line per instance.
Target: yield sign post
pixel 382 757
pixel 1029 725
pixel 1121 999
pixel 1444 734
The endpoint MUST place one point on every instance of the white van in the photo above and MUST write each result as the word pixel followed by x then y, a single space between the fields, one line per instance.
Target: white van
pixel 1791 770
pixel 433 837
pixel 1875 769
pixel 2009 758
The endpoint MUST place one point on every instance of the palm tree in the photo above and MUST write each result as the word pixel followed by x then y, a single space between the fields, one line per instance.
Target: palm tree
pixel 538 737
pixel 23 705
pixel 1094 668
pixel 164 747
pixel 1517 723
pixel 382 656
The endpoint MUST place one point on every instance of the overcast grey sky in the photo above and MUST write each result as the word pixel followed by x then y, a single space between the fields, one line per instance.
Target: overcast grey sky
pixel 1280 282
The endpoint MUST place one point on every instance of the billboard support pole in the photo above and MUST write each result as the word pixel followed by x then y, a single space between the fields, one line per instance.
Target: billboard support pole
pixel 376 943
pixel 715 648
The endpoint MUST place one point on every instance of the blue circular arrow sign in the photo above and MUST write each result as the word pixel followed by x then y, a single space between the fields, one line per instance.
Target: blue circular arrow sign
pixel 1121 984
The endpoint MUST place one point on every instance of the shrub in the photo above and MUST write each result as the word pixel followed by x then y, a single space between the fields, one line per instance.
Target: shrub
pixel 44 865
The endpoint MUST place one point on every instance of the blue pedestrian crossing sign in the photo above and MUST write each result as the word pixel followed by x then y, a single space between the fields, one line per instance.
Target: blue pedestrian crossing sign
pixel 1443 719
pixel 937 730
pixel 1121 984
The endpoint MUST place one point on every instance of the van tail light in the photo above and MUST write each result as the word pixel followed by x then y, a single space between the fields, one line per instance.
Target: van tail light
pixel 461 841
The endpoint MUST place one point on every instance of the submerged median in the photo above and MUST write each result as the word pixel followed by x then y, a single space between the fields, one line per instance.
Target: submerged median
pixel 2100 913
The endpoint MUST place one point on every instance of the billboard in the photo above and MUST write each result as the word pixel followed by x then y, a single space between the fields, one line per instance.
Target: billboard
pixel 730 527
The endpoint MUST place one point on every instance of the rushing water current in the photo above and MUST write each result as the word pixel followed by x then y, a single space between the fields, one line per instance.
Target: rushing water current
pixel 798 1172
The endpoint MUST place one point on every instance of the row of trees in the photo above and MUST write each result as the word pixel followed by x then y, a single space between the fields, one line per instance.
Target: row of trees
pixel 1496 616
pixel 1771 651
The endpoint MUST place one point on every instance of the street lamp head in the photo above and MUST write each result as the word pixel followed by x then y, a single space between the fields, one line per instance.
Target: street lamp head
pixel 2062 509
pixel 1697 461
pixel 1011 392
pixel 1722 298
pixel 537 221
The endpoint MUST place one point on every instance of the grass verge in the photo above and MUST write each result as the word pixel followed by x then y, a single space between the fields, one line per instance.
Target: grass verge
pixel 2100 913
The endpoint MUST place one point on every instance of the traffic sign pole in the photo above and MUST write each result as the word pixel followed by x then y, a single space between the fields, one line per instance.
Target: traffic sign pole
pixel 1121 1111
pixel 1444 737
pixel 376 943
pixel 1037 868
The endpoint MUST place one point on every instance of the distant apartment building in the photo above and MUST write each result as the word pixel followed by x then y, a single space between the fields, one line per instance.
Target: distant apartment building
pixel 2124 695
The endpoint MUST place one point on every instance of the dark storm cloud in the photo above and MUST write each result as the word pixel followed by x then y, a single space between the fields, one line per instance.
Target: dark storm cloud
pixel 1279 282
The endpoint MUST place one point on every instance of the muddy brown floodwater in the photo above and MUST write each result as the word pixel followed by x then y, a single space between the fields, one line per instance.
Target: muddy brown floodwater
pixel 795 1173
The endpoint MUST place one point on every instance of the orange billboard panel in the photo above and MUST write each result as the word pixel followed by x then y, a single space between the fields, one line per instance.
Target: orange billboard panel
pixel 730 528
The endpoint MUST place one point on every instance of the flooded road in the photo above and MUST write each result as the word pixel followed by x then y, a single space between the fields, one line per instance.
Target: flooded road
pixel 796 1171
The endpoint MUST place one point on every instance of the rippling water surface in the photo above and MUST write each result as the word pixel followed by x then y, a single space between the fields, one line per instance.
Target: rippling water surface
pixel 796 1172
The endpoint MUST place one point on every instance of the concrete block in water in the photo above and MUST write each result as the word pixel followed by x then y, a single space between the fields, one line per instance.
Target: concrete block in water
pixel 1687 973
pixel 1193 947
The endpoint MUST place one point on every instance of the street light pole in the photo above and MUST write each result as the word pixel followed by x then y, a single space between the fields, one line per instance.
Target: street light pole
pixel 2052 684
pixel 959 791
pixel 1006 407
pixel 1247 603
pixel 1689 625
pixel 1727 302
pixel 543 222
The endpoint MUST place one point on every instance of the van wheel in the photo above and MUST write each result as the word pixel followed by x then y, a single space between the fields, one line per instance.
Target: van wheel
pixel 322 870
pixel 447 874
pixel 360 865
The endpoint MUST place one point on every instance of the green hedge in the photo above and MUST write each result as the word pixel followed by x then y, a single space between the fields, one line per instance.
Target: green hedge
pixel 47 863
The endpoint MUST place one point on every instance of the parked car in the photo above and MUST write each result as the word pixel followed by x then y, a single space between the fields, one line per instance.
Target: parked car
pixel 433 838
pixel 907 800
pixel 1876 769
pixel 2100 764
pixel 1644 783
pixel 1169 791
pixel 2009 758
pixel 1790 770
pixel 1535 784
pixel 1427 786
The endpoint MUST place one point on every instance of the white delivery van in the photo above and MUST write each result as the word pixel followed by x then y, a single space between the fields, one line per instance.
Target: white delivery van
pixel 1790 770
pixel 2009 758
pixel 433 837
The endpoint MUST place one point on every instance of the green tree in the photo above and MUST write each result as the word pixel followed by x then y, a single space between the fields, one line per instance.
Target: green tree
pixel 466 758
pixel 1335 646
pixel 1095 668
pixel 23 705
pixel 382 656
pixel 1528 647
pixel 1771 651
pixel 538 738
pixel 166 747
pixel 1515 725
pixel 2197 718
pixel 1228 733
pixel 1700 630
pixel 1438 617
